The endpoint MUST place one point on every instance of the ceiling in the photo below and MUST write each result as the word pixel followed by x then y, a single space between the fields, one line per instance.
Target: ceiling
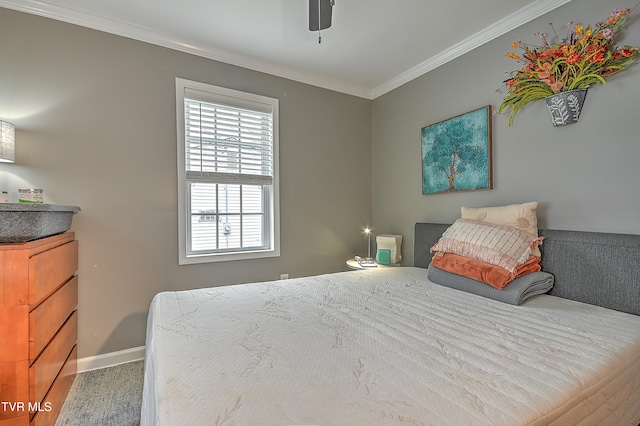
pixel 372 47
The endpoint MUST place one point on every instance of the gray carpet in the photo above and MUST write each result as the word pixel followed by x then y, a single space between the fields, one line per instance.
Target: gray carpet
pixel 109 396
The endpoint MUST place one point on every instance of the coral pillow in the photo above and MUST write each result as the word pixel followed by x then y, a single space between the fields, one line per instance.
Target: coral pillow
pixel 498 245
pixel 493 275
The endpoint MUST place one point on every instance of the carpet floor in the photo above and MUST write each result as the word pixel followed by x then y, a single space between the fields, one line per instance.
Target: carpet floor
pixel 109 396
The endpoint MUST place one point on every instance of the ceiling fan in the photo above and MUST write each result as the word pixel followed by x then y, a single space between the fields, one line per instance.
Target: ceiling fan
pixel 320 15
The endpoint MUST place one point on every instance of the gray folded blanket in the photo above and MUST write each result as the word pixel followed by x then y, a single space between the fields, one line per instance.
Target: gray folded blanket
pixel 516 292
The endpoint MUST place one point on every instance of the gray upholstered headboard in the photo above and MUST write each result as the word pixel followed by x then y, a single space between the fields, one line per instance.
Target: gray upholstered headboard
pixel 591 267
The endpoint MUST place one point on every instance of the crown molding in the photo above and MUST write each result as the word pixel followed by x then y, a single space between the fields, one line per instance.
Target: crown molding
pixel 516 19
pixel 146 35
pixel 139 33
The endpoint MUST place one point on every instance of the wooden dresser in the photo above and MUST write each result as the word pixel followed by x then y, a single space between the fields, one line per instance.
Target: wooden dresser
pixel 38 328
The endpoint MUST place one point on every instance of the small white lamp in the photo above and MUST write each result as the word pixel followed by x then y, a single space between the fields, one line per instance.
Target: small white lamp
pixel 368 232
pixel 7 142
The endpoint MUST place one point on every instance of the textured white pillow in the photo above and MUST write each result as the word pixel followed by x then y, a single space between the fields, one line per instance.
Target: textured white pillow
pixel 499 245
pixel 521 216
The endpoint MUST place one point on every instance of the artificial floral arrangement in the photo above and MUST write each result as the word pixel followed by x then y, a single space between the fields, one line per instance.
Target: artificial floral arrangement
pixel 584 57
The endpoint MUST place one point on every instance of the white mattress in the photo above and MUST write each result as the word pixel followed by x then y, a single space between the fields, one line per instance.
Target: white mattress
pixel 385 347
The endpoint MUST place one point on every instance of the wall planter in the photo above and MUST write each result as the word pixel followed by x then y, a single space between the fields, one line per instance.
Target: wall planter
pixel 556 68
pixel 565 107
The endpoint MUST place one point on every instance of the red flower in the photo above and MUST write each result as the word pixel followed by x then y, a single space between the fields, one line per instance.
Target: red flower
pixel 591 49
pixel 548 53
pixel 573 58
pixel 627 53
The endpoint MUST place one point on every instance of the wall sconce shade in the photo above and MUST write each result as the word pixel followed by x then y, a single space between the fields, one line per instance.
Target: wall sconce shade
pixel 7 142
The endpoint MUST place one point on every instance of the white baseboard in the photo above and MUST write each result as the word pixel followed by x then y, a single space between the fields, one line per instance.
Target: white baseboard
pixel 110 359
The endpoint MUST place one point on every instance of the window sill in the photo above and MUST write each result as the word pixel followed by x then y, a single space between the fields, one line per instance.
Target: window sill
pixel 226 257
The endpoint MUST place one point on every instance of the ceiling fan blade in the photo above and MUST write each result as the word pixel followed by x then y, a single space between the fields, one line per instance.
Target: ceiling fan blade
pixel 320 14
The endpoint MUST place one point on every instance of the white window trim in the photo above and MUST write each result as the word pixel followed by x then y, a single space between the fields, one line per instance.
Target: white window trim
pixel 183 215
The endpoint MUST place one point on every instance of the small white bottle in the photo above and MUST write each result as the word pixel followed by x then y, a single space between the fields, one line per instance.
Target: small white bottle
pixel 4 197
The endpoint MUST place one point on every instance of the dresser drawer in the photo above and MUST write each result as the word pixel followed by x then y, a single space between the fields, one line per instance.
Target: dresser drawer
pixel 48 317
pixel 45 369
pixel 52 403
pixel 50 269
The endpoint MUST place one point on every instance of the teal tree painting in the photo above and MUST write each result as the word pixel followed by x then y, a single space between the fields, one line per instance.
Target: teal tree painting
pixel 456 153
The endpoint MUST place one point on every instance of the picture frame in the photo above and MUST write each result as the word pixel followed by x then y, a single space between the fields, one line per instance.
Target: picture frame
pixel 456 153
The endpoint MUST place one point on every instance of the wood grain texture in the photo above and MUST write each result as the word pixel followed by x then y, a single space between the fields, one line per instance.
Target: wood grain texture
pixel 58 393
pixel 14 379
pixel 46 368
pixel 23 420
pixel 14 266
pixel 48 270
pixel 14 274
pixel 14 332
pixel 48 317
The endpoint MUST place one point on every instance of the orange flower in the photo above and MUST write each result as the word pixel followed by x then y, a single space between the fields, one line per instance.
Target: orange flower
pixel 591 49
pixel 573 58
pixel 513 56
pixel 627 53
pixel 616 15
pixel 548 53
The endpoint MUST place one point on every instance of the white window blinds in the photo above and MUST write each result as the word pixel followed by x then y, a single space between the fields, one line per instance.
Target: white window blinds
pixel 225 143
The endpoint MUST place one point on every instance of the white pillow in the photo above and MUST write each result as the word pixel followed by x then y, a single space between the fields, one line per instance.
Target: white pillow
pixel 521 216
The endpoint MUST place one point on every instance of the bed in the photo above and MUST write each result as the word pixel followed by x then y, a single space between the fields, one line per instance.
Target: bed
pixel 388 346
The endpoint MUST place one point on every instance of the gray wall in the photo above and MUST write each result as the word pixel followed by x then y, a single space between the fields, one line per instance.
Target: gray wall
pixel 95 119
pixel 585 176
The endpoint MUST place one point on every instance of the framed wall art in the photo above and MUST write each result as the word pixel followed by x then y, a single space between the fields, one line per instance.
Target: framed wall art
pixel 456 153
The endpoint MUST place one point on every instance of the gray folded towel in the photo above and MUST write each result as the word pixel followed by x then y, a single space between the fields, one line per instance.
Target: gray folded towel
pixel 516 292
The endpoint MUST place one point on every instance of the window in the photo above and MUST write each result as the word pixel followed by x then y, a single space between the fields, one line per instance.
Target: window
pixel 227 174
